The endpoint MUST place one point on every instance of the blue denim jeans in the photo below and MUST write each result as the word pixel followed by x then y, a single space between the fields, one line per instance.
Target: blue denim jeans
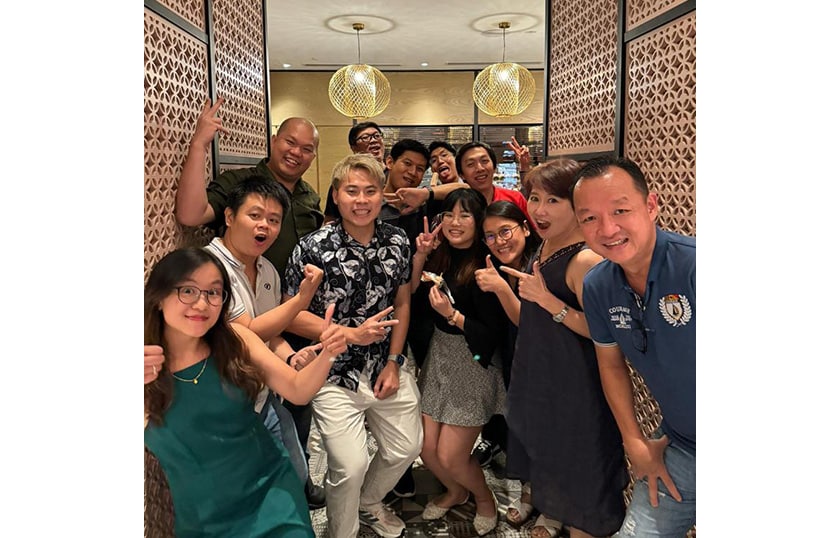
pixel 279 422
pixel 670 518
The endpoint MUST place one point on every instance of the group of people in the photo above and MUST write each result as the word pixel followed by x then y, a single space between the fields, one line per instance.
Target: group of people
pixel 303 317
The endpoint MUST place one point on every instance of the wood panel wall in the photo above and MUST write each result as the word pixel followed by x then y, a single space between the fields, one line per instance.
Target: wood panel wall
pixel 194 50
pixel 621 77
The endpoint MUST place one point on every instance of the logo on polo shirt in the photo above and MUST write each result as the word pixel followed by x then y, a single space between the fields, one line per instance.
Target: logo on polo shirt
pixel 675 309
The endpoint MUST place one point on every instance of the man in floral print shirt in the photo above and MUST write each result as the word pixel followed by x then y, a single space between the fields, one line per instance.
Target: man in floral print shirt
pixel 366 274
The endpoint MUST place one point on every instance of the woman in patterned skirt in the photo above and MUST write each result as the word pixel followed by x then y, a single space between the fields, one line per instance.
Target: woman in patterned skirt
pixel 461 381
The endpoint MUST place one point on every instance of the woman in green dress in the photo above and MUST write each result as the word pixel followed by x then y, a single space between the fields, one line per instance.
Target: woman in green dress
pixel 227 474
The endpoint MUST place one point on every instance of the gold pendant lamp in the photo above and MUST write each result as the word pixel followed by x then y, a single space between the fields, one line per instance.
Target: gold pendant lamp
pixel 359 91
pixel 503 89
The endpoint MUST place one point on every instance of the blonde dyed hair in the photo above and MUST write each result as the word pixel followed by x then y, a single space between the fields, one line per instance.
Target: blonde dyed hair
pixel 357 161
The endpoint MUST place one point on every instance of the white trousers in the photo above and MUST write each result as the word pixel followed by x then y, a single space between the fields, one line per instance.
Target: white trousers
pixel 352 480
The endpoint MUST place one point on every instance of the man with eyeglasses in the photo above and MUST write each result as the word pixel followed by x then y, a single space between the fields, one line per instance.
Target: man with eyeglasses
pixel 364 137
pixel 641 304
pixel 291 152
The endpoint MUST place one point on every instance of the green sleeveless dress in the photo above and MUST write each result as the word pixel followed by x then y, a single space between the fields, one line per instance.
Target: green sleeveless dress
pixel 227 474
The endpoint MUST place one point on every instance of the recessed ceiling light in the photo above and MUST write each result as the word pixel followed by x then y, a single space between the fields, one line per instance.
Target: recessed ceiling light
pixel 286 66
pixel 424 64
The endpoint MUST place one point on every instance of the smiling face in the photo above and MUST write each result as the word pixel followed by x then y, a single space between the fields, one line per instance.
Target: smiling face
pixel 406 170
pixel 617 220
pixel 359 199
pixel 552 215
pixel 508 251
pixel 254 226
pixel 293 149
pixel 458 227
pixel 443 163
pixel 193 320
pixel 477 169
pixel 369 141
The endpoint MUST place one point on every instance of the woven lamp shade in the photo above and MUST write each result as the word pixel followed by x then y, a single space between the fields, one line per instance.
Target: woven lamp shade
pixel 359 91
pixel 503 89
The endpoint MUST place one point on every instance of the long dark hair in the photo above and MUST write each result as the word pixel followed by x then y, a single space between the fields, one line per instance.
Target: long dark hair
pixel 472 201
pixel 509 210
pixel 227 349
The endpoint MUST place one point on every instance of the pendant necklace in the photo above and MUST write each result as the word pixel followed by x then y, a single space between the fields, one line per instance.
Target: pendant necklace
pixel 194 380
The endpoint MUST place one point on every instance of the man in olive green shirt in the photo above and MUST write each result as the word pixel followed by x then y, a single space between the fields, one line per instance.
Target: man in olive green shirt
pixel 292 151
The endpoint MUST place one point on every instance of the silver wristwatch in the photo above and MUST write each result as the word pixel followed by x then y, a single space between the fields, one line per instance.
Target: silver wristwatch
pixel 560 316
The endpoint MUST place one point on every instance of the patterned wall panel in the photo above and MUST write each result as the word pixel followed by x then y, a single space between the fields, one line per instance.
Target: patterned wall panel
pixel 191 10
pixel 660 128
pixel 639 12
pixel 175 85
pixel 582 92
pixel 240 76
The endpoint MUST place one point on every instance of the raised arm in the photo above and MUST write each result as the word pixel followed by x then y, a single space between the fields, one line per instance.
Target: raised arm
pixel 275 321
pixel 296 386
pixel 532 288
pixel 414 197
pixel 488 279
pixel 426 242
pixel 191 205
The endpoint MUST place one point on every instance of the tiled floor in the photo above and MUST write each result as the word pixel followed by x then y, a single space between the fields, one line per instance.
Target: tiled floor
pixel 457 523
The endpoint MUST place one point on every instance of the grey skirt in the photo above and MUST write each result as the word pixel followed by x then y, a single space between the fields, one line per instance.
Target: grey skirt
pixel 455 389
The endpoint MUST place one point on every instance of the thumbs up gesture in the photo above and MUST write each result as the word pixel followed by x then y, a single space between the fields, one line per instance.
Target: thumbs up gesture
pixel 488 279
pixel 531 287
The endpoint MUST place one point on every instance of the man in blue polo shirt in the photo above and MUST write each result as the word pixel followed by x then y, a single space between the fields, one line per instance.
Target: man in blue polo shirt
pixel 640 302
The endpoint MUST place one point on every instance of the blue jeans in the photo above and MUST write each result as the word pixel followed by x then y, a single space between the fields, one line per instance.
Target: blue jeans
pixel 279 422
pixel 670 518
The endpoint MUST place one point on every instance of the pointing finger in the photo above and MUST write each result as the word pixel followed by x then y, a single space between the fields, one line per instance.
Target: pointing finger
pixel 514 272
pixel 380 315
pixel 328 315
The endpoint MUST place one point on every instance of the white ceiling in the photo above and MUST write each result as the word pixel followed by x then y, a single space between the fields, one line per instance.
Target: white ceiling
pixel 400 34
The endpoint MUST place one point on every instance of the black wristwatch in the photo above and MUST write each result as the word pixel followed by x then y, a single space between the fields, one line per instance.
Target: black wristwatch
pixel 399 359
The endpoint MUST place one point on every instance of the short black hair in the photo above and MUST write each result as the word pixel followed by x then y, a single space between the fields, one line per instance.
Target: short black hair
pixel 442 144
pixel 599 166
pixel 358 128
pixel 409 144
pixel 261 186
pixel 470 145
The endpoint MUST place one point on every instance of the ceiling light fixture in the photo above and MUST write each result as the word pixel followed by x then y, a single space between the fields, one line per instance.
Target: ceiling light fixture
pixel 503 89
pixel 359 91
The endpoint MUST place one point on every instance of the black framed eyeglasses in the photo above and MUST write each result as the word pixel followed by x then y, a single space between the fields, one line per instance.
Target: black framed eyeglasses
pixel 365 138
pixel 191 294
pixel 503 233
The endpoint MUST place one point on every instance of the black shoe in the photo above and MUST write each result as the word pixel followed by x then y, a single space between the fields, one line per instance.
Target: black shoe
pixel 485 451
pixel 405 487
pixel 316 496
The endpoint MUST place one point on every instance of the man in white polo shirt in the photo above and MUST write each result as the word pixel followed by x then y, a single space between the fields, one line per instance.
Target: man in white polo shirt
pixel 253 215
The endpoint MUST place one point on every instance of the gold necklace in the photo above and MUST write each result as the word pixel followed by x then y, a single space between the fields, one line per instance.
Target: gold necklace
pixel 194 380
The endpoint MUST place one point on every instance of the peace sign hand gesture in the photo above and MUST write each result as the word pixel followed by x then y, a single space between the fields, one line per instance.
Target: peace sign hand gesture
pixel 208 124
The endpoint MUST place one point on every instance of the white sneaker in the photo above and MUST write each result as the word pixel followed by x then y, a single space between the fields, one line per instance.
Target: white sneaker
pixel 382 520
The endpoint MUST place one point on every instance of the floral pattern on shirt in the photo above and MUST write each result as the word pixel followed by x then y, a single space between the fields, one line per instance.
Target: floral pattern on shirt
pixel 362 280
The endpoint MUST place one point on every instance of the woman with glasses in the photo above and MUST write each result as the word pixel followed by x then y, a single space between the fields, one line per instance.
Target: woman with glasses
pixel 227 474
pixel 512 243
pixel 564 440
pixel 461 382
